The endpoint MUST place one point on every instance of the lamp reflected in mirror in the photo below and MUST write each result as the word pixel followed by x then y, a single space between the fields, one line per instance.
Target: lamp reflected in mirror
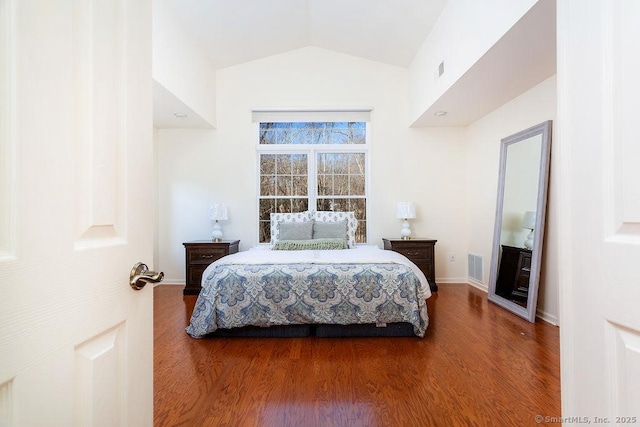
pixel 529 223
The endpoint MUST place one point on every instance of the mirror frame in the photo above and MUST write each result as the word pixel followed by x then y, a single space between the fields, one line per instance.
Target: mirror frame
pixel 529 313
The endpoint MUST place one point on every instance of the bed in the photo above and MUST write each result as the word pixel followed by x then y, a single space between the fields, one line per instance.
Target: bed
pixel 313 289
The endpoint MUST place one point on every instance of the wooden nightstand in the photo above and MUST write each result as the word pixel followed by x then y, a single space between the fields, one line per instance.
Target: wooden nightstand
pixel 421 252
pixel 201 253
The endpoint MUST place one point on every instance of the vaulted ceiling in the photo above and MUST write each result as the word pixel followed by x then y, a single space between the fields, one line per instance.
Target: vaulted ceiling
pixel 237 31
pixel 232 32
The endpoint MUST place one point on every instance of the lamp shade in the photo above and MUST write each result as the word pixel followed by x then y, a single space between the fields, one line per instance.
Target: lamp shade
pixel 405 210
pixel 529 220
pixel 218 211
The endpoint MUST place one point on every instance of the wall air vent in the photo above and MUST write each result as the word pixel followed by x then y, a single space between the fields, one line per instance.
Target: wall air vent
pixel 475 267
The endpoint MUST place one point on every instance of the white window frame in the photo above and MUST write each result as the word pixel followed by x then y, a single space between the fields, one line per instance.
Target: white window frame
pixel 311 150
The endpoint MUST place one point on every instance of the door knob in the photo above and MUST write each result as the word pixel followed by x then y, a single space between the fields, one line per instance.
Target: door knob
pixel 140 276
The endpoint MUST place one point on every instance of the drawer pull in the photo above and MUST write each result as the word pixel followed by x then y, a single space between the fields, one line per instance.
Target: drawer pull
pixel 206 256
pixel 413 253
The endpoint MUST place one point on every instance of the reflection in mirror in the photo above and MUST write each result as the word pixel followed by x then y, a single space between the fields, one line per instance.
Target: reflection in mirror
pixel 520 216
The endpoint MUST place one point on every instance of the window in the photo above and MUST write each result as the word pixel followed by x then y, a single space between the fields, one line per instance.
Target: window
pixel 307 165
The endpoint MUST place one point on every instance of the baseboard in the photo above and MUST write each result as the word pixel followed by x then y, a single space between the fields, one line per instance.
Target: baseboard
pixel 549 318
pixel 478 285
pixel 455 280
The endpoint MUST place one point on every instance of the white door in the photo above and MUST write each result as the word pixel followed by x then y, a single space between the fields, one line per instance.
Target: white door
pixel 75 212
pixel 599 145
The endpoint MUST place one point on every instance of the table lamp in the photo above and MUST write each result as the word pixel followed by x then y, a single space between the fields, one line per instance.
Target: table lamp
pixel 218 212
pixel 405 211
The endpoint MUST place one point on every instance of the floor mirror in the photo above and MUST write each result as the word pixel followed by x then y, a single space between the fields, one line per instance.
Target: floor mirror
pixel 518 237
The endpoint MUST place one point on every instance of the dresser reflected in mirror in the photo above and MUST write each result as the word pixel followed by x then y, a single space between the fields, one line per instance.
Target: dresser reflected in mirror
pixel 520 217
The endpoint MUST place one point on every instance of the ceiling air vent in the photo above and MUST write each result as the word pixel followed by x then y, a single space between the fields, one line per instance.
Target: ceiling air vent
pixel 441 69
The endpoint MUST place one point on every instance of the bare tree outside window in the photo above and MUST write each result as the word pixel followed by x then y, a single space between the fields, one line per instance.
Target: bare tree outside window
pixel 341 186
pixel 313 133
pixel 340 176
pixel 283 187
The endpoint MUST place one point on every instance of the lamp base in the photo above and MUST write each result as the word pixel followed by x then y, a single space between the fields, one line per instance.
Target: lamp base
pixel 529 242
pixel 216 234
pixel 405 232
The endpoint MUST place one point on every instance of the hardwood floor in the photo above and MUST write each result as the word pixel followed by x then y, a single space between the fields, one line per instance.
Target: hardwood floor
pixel 478 365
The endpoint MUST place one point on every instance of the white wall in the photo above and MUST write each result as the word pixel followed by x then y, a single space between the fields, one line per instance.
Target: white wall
pixel 197 167
pixel 459 38
pixel 186 187
pixel 181 66
pixel 482 161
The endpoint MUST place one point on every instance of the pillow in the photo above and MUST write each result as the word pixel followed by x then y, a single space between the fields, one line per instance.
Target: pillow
pixel 286 217
pixel 352 223
pixel 330 230
pixel 295 230
pixel 302 245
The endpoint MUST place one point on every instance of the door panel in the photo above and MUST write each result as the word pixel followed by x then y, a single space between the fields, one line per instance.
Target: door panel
pixel 599 93
pixel 100 377
pixel 99 96
pixel 76 340
pixel 624 369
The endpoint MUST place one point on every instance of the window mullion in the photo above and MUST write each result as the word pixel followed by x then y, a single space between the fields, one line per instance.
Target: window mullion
pixel 313 179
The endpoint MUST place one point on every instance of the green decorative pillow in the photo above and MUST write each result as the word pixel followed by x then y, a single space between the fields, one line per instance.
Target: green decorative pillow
pixel 330 229
pixel 302 245
pixel 295 230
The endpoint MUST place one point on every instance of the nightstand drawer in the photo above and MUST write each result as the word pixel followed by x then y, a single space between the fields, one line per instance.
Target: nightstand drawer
pixel 205 255
pixel 195 274
pixel 199 255
pixel 426 268
pixel 416 252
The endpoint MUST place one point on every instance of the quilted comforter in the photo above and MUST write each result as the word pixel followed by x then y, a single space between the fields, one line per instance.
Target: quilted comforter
pixel 261 287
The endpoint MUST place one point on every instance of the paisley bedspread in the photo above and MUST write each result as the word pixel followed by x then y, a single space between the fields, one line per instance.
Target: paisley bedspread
pixel 322 287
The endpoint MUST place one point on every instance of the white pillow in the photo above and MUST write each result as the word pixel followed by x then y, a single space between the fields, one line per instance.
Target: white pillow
pixel 352 223
pixel 286 217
